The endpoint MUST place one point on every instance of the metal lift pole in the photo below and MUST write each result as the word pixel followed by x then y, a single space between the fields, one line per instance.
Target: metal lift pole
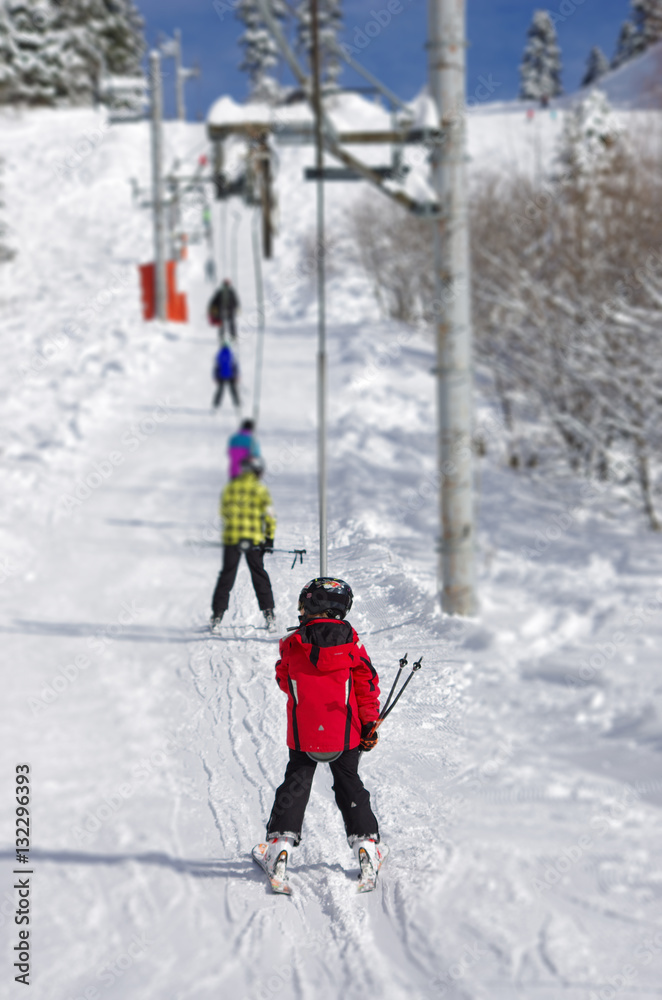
pixel 157 186
pixel 259 295
pixel 321 298
pixel 179 76
pixel 447 71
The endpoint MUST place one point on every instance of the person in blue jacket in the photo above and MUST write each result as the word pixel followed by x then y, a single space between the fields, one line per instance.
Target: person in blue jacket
pixel 226 372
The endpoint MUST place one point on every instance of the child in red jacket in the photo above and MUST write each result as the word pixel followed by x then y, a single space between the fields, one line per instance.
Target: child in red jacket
pixel 332 707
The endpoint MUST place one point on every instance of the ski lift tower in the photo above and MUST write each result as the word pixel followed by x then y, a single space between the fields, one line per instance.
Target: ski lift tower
pixel 447 70
pixel 448 215
pixel 172 47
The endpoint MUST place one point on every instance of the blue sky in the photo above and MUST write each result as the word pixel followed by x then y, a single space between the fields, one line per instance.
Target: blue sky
pixel 496 34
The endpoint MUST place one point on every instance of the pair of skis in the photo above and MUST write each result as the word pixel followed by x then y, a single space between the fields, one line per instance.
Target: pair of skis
pixel 369 867
pixel 278 879
pixel 229 629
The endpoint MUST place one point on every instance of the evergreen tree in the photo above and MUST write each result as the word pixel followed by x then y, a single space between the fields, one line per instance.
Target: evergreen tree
pixel 647 18
pixel 57 53
pixel 37 73
pixel 8 54
pixel 642 31
pixel 591 142
pixel 260 50
pixel 540 70
pixel 596 66
pixel 626 46
pixel 330 24
pixel 107 38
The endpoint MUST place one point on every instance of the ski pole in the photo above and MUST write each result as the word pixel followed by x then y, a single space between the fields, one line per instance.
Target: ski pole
pixel 382 715
pixel 297 553
pixel 388 707
pixel 403 664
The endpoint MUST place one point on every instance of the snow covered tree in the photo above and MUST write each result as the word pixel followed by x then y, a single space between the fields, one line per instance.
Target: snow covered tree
pixel 591 140
pixel 597 65
pixel 36 72
pixel 626 46
pixel 566 302
pixel 58 53
pixel 107 38
pixel 540 70
pixel 260 50
pixel 330 24
pixel 647 18
pixel 7 54
pixel 642 31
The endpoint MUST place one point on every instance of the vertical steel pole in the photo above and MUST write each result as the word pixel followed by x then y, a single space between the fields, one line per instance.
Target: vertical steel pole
pixel 259 295
pixel 321 290
pixel 447 57
pixel 234 266
pixel 157 186
pixel 179 76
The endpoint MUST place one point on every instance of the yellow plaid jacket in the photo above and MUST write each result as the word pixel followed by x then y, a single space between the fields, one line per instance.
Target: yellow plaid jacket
pixel 246 510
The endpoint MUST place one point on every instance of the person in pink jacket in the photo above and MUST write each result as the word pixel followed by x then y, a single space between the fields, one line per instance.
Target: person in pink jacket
pixel 242 445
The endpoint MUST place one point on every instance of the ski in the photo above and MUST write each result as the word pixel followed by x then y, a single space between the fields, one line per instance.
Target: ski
pixel 229 631
pixel 278 881
pixel 229 628
pixel 368 874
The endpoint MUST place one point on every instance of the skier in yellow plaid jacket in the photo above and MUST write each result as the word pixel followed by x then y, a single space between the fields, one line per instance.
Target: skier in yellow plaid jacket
pixel 249 526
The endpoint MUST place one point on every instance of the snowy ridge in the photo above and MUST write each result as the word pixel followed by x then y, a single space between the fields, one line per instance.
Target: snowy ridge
pixel 637 84
pixel 517 783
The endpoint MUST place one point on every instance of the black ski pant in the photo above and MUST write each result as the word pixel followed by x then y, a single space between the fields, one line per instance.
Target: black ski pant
pixel 352 798
pixel 228 322
pixel 228 574
pixel 233 389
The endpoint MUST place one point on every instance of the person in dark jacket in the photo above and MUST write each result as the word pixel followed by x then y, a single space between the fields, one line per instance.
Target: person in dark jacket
pixel 226 372
pixel 223 308
pixel 332 706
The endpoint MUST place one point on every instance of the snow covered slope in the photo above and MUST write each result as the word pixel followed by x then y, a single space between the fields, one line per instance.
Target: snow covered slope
pixel 637 84
pixel 518 783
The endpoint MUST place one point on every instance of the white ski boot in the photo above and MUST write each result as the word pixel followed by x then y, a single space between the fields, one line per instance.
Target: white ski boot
pixel 270 619
pixel 272 857
pixel 370 856
pixel 215 623
pixel 277 856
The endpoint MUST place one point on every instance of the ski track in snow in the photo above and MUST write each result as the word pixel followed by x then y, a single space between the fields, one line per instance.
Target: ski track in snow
pixel 154 765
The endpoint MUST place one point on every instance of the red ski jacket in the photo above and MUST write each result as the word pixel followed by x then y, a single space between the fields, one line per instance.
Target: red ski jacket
pixel 332 687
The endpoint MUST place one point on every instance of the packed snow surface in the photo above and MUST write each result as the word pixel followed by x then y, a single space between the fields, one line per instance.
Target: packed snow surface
pixel 518 782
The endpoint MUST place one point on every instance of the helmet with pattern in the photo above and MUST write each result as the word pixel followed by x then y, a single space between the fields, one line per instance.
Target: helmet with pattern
pixel 252 463
pixel 325 597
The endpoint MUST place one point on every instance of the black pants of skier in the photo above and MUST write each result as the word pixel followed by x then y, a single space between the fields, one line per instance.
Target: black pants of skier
pixel 232 382
pixel 352 798
pixel 230 325
pixel 228 574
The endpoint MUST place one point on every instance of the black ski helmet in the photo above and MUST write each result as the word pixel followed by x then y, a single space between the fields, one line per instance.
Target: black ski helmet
pixel 325 597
